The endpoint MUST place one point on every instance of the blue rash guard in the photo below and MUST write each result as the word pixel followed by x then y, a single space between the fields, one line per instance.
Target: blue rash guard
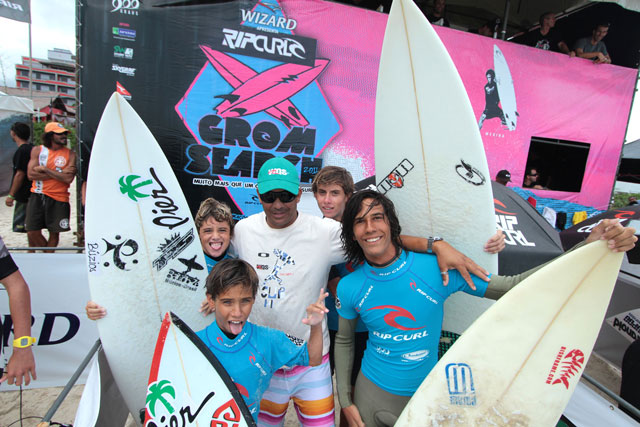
pixel 212 262
pixel 252 357
pixel 402 306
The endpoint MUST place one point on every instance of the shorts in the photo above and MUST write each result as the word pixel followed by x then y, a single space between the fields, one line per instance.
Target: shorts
pixel 360 345
pixel 19 217
pixel 312 393
pixel 45 212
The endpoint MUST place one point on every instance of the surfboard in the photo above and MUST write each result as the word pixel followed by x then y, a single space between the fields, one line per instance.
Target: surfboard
pixel 143 253
pixel 430 160
pixel 203 396
pixel 519 363
pixel 506 91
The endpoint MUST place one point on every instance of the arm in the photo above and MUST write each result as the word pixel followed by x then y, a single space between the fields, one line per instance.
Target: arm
pixel 315 315
pixel 599 57
pixel 343 354
pixel 34 170
pixel 66 175
pixel 18 179
pixel 563 47
pixel 21 364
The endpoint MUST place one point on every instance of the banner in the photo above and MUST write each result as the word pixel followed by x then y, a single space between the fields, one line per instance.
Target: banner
pixel 63 333
pixel 224 87
pixel 18 10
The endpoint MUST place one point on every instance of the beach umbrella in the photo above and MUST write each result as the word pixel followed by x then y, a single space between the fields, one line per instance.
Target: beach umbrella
pixel 530 239
pixel 628 216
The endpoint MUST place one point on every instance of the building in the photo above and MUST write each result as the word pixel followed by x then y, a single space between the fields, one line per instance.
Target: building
pixel 52 77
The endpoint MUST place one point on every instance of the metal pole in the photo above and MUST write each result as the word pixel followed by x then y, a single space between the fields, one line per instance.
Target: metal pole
pixel 503 34
pixel 71 383
pixel 628 406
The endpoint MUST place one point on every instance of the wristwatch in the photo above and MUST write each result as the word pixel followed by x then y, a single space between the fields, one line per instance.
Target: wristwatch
pixel 24 342
pixel 430 241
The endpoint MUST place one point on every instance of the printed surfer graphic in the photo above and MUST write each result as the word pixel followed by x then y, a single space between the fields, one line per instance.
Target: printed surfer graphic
pixel 500 96
pixel 268 91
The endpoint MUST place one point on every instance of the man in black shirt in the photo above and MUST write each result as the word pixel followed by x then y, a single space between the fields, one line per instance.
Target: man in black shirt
pixel 547 37
pixel 20 183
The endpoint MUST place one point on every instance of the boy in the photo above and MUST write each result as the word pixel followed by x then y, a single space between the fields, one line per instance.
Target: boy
pixel 252 353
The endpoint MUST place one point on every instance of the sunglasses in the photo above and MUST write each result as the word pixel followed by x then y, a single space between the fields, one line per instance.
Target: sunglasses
pixel 283 196
pixel 532 174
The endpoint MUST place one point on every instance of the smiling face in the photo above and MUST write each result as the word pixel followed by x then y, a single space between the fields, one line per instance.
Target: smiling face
pixel 600 32
pixel 232 308
pixel 372 232
pixel 215 237
pixel 280 214
pixel 331 200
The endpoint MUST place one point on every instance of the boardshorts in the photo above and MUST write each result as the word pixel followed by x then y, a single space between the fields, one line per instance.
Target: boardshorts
pixel 45 212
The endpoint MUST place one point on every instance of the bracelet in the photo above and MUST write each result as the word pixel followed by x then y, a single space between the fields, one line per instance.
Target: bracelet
pixel 24 342
pixel 431 241
pixel 11 197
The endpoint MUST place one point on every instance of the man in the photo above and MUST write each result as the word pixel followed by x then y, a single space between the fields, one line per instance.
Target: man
pixel 491 100
pixel 593 47
pixel 20 184
pixel 547 37
pixel 292 253
pixel 437 16
pixel 52 168
pixel 400 295
pixel 21 367
pixel 503 177
pixel 531 179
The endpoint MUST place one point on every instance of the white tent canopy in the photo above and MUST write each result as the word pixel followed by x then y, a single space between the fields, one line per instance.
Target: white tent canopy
pixel 15 104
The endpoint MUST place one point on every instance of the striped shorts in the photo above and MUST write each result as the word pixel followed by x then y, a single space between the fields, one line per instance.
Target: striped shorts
pixel 311 391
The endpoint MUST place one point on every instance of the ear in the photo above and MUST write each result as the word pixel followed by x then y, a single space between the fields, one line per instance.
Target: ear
pixel 211 302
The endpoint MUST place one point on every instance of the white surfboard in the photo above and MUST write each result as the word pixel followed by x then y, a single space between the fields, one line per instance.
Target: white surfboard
pixel 143 252
pixel 430 160
pixel 506 91
pixel 204 396
pixel 519 363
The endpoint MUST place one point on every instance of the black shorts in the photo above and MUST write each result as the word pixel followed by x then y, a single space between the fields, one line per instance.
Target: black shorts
pixel 45 212
pixel 360 344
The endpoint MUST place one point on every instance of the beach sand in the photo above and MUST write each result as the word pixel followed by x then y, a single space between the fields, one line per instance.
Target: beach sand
pixel 35 403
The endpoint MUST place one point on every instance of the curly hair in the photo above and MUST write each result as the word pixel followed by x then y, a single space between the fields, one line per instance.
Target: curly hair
pixel 334 175
pixel 350 245
pixel 229 273
pixel 212 208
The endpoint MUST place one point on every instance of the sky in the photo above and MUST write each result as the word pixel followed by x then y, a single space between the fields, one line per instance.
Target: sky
pixel 52 25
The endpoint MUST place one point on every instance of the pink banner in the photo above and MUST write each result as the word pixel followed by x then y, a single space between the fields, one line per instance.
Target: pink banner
pixel 553 97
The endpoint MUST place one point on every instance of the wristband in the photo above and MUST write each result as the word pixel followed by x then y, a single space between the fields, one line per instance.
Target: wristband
pixel 24 342
pixel 11 197
pixel 430 242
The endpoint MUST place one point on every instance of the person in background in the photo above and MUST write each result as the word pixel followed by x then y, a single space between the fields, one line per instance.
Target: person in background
pixel 438 14
pixel 593 47
pixel 531 179
pixel 503 177
pixel 20 184
pixel 547 37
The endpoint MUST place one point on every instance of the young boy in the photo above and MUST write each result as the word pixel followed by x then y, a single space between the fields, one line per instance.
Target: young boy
pixel 252 353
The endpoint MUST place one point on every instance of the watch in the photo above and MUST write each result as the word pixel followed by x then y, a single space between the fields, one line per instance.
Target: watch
pixel 430 241
pixel 24 342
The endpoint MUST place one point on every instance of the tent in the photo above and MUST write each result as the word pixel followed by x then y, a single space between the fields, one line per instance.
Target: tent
pixel 14 104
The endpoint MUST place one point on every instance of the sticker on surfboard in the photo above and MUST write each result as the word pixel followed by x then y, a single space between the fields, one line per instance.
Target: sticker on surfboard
pixel 188 385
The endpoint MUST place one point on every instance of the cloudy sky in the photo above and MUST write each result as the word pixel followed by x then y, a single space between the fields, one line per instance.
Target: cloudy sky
pixel 52 25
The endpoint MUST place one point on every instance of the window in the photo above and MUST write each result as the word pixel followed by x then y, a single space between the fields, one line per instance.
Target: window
pixel 560 164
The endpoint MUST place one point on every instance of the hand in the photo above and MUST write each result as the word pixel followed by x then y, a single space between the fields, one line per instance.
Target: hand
pixel 21 366
pixel 572 54
pixel 40 168
pixel 205 308
pixel 619 238
pixel 317 310
pixel 449 258
pixel 496 243
pixel 8 201
pixel 95 311
pixel 353 417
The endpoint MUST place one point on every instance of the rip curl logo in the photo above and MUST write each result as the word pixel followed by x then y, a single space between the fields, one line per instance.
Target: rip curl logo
pixel 469 173
pixel 263 43
pixel 566 366
pixel 396 313
pixel 415 287
pixel 254 362
pixel 395 179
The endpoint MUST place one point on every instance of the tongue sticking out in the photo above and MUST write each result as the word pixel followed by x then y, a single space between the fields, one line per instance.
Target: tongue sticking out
pixel 235 328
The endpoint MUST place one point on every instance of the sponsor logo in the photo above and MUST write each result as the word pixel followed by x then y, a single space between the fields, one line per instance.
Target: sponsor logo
pixel 629 326
pixel 282 47
pixel 388 273
pixel 263 254
pixel 64 223
pixel 235 342
pixel 396 313
pixel 415 356
pixel 122 252
pixel 11 5
pixel 262 267
pixel 120 33
pixel 272 293
pixel 395 179
pixel 182 279
pixel 60 162
pixel 415 287
pixel 566 365
pixel 171 248
pixel 297 341
pixel 469 173
pixel 383 351
pixel 400 338
pixel 460 384
pixel 123 52
pixel 277 171
pixel 126 7
pixel 203 181
pixel 507 222
pixel 265 19
pixel 364 298
pixel 93 257
pixel 122 91
pixel 129 71
pixel 252 360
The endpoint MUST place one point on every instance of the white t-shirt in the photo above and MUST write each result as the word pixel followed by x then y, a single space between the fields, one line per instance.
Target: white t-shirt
pixel 293 264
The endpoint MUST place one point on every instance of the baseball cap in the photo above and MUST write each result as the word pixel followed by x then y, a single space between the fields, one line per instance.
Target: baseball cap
pixel 55 127
pixel 504 174
pixel 278 174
